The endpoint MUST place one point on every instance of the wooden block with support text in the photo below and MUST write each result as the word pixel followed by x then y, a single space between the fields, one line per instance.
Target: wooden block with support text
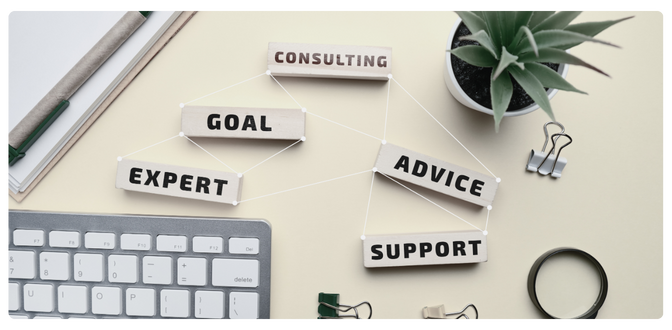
pixel 178 181
pixel 436 174
pixel 245 123
pixel 457 247
pixel 329 61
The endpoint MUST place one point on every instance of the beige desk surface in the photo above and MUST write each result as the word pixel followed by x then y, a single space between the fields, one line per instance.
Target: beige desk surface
pixel 608 201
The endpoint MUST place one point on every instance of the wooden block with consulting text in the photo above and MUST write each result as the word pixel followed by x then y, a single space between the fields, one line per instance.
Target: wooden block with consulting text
pixel 436 174
pixel 457 247
pixel 179 181
pixel 245 123
pixel 329 61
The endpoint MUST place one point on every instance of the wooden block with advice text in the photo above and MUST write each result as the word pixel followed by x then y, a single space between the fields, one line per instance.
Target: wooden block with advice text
pixel 457 247
pixel 436 174
pixel 329 61
pixel 178 181
pixel 245 123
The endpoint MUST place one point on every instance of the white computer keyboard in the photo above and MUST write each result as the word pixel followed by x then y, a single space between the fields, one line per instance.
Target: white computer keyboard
pixel 121 266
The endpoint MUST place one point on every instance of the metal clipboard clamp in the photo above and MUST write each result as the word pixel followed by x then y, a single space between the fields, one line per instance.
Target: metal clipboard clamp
pixel 549 163
pixel 438 313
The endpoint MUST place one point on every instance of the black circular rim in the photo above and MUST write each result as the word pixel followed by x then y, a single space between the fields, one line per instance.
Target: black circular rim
pixel 532 279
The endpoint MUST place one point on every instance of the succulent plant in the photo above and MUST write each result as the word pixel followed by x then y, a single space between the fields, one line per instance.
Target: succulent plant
pixel 515 44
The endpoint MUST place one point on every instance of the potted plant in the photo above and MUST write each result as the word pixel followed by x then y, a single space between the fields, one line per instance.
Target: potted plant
pixel 511 63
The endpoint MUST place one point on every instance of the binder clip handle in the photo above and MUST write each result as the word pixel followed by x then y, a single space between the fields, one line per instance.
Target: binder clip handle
pixel 439 312
pixel 557 136
pixel 546 134
pixel 329 307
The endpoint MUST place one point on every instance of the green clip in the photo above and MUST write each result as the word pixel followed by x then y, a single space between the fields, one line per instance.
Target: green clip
pixel 326 311
pixel 145 11
pixel 16 154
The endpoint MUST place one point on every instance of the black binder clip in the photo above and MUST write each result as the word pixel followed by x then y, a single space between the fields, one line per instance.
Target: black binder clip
pixel 330 307
pixel 439 312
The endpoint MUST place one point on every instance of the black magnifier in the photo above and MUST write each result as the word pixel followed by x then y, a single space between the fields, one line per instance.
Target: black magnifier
pixel 577 256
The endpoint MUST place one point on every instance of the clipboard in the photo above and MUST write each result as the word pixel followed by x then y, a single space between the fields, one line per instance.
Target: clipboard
pixel 165 38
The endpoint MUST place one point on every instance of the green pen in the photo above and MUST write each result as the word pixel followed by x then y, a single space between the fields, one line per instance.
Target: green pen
pixel 36 122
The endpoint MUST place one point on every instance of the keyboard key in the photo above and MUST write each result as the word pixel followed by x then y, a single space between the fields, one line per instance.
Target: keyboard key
pixel 204 244
pixel 170 243
pixel 136 242
pixel 88 267
pixel 175 303
pixel 28 237
pixel 21 264
pixel 235 272
pixel 38 297
pixel 209 304
pixel 140 302
pixel 47 319
pixel 103 241
pixel 64 239
pixel 243 305
pixel 122 269
pixel 54 266
pixel 191 271
pixel 106 300
pixel 72 299
pixel 18 316
pixel 157 270
pixel 13 293
pixel 243 245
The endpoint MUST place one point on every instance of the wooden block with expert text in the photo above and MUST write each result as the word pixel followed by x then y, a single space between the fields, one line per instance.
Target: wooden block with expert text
pixel 179 181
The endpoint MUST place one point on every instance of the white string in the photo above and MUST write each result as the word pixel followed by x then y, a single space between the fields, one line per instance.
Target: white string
pixel 297 141
pixel 226 88
pixel 451 134
pixel 425 198
pixel 155 144
pixel 350 128
pixel 387 105
pixel 209 154
pixel 487 219
pixel 308 185
pixel 369 204
pixel 283 88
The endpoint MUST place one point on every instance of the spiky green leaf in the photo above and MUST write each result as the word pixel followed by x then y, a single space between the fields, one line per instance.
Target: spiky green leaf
pixel 556 38
pixel 533 88
pixel 550 78
pixel 479 14
pixel 524 31
pixel 508 25
pixel 557 21
pixel 523 18
pixel 538 17
pixel 483 39
pixel 475 55
pixel 552 55
pixel 591 29
pixel 472 21
pixel 506 60
pixel 501 90
pixel 494 28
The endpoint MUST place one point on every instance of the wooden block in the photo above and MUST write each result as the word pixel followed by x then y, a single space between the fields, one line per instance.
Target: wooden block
pixel 437 175
pixel 329 61
pixel 178 181
pixel 457 247
pixel 245 123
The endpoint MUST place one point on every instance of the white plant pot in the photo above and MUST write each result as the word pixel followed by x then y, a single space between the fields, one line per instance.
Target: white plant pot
pixel 462 97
